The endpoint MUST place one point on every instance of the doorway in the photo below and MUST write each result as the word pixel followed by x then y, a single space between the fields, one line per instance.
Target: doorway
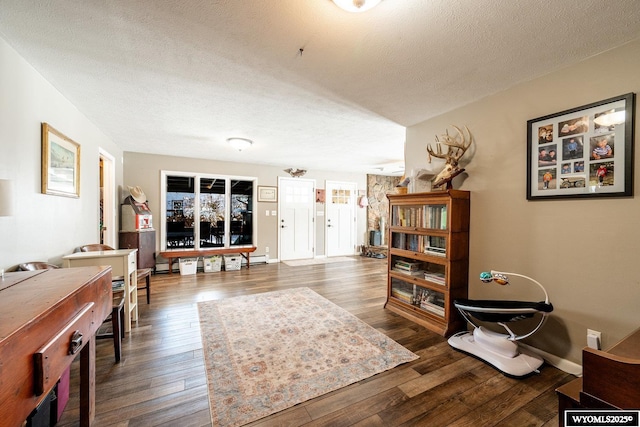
pixel 296 229
pixel 340 222
pixel 107 220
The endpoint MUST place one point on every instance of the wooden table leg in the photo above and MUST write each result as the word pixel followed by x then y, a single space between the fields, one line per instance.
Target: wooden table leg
pixel 248 254
pixel 88 383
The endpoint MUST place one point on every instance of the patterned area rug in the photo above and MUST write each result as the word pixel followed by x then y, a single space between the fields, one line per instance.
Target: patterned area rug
pixel 313 261
pixel 267 352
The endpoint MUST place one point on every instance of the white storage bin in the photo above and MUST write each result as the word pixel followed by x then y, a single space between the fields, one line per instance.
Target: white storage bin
pixel 213 263
pixel 188 266
pixel 232 262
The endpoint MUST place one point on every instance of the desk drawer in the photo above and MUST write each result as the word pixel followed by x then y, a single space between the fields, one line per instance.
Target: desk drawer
pixel 133 262
pixel 54 357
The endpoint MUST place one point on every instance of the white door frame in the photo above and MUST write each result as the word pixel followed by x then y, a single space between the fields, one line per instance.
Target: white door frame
pixel 109 205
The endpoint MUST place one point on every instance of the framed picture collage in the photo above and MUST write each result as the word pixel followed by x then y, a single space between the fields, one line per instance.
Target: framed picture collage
pixel 582 152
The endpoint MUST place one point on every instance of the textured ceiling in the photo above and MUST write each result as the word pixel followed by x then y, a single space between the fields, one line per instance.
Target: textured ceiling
pixel 180 77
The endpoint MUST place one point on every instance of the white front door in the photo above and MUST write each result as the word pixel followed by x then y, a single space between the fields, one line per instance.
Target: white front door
pixel 296 198
pixel 340 218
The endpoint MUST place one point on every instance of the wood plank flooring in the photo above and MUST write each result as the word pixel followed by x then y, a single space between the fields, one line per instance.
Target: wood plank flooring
pixel 161 379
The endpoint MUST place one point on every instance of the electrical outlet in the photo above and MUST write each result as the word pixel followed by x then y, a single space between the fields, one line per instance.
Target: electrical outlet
pixel 593 339
pixel 266 250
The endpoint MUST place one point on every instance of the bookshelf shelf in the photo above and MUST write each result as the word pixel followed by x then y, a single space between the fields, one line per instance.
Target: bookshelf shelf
pixel 428 260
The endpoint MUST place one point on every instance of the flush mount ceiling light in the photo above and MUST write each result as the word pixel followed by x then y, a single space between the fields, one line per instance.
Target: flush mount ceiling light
pixel 356 5
pixel 240 143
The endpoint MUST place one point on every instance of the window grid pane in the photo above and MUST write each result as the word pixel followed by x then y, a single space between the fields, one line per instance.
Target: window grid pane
pixel 206 214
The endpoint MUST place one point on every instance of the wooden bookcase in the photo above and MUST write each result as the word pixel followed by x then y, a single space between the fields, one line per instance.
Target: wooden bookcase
pixel 428 260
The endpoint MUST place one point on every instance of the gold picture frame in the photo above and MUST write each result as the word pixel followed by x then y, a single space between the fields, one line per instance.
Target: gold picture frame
pixel 60 164
pixel 267 193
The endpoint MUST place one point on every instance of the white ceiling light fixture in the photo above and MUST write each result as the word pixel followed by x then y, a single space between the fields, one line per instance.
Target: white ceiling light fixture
pixel 240 143
pixel 356 5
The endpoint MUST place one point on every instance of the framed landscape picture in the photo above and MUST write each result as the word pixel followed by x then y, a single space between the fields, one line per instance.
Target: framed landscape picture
pixel 60 164
pixel 583 152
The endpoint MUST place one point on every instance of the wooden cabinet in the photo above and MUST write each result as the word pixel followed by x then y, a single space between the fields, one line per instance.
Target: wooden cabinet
pixel 144 242
pixel 428 260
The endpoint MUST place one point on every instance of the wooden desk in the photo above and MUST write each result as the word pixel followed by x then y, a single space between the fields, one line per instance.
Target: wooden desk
pixel 244 251
pixel 123 263
pixel 41 311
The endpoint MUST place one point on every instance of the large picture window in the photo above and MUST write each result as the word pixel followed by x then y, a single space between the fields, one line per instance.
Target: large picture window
pixel 206 211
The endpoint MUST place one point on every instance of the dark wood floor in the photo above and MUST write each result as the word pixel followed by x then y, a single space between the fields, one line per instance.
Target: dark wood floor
pixel 161 379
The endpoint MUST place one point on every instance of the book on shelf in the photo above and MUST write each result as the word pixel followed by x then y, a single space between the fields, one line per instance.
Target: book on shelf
pixel 435 251
pixel 436 245
pixel 402 295
pixel 433 308
pixel 398 240
pixel 413 242
pixel 416 273
pixel 436 217
pixel 443 218
pixel 409 242
pixel 430 216
pixel 435 277
pixel 407 265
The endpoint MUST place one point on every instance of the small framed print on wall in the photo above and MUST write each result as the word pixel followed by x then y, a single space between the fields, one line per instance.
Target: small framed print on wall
pixel 267 194
pixel 583 152
pixel 60 164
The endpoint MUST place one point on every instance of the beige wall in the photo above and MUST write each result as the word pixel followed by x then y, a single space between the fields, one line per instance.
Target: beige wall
pixel 144 170
pixel 44 227
pixel 584 251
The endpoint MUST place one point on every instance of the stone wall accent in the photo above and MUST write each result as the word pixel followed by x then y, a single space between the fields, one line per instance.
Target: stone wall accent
pixel 377 188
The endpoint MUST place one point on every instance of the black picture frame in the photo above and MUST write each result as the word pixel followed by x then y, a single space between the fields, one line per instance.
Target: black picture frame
pixel 593 147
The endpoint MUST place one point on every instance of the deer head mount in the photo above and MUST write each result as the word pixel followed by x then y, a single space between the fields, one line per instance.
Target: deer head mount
pixel 456 147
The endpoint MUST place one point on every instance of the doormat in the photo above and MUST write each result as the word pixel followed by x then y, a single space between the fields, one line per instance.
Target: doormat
pixel 267 352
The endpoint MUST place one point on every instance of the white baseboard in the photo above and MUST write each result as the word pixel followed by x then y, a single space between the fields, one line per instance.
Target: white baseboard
pixel 558 362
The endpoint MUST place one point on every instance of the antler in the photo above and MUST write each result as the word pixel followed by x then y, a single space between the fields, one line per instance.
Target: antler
pixel 455 148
